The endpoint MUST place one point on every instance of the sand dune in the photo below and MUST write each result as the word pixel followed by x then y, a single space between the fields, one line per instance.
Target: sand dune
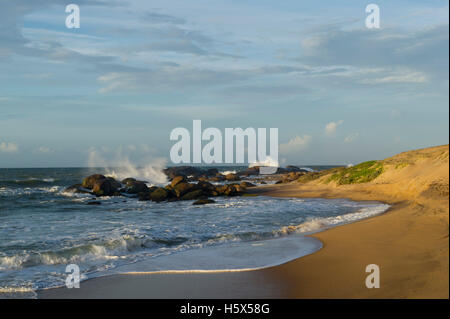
pixel 409 242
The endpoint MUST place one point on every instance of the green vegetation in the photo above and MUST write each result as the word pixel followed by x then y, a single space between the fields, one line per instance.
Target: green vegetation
pixel 361 173
pixel 308 177
pixel 401 165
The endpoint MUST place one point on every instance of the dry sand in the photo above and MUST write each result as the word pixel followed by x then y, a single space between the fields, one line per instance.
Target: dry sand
pixel 410 244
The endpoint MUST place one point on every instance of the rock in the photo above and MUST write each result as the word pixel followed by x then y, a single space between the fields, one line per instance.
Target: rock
pixel 217 178
pixel 207 187
pixel 136 187
pixel 193 195
pixel 232 177
pixel 103 187
pixel 203 202
pixel 278 182
pixel 212 172
pixel 229 190
pixel 183 188
pixel 238 189
pixel 159 195
pixel 247 184
pixel 177 180
pixel 115 184
pixel 77 189
pixel 89 181
pixel 128 180
pixel 94 203
pixel 254 170
pixel 144 196
pixel 171 172
pixel 292 168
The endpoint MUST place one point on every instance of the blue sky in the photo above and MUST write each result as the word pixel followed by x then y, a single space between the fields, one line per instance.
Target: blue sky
pixel 338 92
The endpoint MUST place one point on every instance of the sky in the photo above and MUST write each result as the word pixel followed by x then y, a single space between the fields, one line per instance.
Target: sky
pixel 338 92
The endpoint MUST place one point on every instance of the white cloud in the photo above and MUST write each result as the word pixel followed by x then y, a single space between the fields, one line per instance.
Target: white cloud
pixel 351 137
pixel 412 77
pixel 8 147
pixel 44 149
pixel 331 127
pixel 297 143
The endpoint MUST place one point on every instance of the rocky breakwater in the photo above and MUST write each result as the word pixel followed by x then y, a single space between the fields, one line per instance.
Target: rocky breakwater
pixel 179 189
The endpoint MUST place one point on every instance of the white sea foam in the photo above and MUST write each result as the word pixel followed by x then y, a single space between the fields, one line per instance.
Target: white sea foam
pixel 151 171
pixel 316 224
pixel 228 172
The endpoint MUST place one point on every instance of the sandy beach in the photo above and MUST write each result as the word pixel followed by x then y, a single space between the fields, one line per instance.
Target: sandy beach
pixel 409 243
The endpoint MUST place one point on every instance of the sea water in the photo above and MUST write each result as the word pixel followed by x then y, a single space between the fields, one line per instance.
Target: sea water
pixel 43 229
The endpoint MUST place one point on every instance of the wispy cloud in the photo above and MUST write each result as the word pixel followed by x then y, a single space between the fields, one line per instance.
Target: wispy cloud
pixel 295 144
pixel 8 147
pixel 330 128
pixel 351 137
pixel 44 149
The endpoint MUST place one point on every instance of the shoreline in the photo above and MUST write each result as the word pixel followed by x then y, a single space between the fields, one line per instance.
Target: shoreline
pixel 309 276
pixel 128 281
pixel 409 243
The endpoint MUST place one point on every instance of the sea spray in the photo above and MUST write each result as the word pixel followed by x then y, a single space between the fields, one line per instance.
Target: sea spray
pixel 119 166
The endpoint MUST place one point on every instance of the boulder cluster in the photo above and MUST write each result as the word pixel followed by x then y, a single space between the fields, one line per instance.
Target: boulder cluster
pixel 186 183
pixel 179 189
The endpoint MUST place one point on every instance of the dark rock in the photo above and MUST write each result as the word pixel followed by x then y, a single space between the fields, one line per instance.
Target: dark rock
pixel 254 170
pixel 103 187
pixel 171 172
pixel 203 178
pixel 136 187
pixel 128 180
pixel 159 195
pixel 212 172
pixel 217 178
pixel 229 190
pixel 203 202
pixel 115 184
pixel 207 187
pixel 77 188
pixel 177 180
pixel 183 188
pixel 144 196
pixel 89 181
pixel 94 203
pixel 232 177
pixel 292 168
pixel 192 195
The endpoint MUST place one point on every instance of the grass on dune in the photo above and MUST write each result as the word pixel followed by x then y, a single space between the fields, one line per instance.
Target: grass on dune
pixel 361 173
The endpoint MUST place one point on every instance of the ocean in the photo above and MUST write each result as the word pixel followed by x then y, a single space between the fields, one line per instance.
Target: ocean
pixel 43 229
